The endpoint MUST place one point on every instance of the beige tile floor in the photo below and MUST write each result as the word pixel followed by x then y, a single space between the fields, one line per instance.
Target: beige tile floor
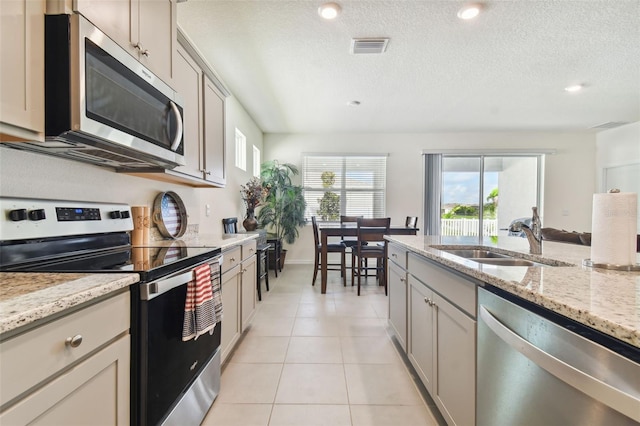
pixel 318 359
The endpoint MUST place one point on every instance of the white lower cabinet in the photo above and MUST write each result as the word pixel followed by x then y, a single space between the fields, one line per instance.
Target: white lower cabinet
pixel 96 390
pixel 442 337
pixel 231 313
pixel 238 293
pixel 248 291
pixel 73 370
pixel 397 289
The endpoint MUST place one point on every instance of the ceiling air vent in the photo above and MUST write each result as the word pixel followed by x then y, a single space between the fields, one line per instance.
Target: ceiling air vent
pixel 368 45
pixel 610 125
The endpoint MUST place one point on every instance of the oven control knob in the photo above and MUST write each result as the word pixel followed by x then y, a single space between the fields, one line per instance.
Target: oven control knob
pixel 114 214
pixel 124 214
pixel 18 215
pixel 37 214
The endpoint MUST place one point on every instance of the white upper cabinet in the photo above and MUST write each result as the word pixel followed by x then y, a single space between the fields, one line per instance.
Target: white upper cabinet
pixel 22 70
pixel 147 29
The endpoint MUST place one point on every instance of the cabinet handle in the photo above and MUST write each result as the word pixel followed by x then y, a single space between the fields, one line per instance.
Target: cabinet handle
pixel 207 173
pixel 74 341
pixel 394 255
pixel 145 52
pixel 138 46
pixel 429 302
pixel 402 280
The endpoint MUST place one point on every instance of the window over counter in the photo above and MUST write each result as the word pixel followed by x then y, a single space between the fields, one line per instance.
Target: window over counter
pixel 339 184
pixel 480 194
pixel 257 160
pixel 241 150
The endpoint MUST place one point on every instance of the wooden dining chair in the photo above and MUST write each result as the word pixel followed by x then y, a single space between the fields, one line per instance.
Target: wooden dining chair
pixel 331 248
pixel 371 232
pixel 411 222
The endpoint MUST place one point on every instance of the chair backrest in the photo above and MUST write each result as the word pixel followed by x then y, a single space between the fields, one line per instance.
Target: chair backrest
pixel 316 239
pixel 346 219
pixel 372 230
pixel 411 222
pixel 230 225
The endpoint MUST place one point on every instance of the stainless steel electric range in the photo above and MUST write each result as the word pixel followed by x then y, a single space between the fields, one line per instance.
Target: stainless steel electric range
pixel 172 382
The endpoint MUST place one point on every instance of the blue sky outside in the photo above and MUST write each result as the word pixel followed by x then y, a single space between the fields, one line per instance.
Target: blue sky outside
pixel 462 187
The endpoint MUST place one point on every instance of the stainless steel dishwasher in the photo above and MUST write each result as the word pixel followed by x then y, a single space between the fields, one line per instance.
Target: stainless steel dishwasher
pixel 533 371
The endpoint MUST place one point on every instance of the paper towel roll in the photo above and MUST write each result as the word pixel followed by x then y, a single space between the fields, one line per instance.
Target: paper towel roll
pixel 614 228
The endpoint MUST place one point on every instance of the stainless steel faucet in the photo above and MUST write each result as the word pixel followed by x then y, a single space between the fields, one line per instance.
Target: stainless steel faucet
pixel 533 232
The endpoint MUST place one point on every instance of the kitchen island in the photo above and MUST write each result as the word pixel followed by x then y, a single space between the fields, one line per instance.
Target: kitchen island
pixel 601 299
pixel 439 311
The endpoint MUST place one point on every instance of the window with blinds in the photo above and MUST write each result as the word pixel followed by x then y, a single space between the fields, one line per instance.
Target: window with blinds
pixel 350 185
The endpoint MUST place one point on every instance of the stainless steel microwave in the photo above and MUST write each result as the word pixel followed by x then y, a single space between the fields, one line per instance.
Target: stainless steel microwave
pixel 102 106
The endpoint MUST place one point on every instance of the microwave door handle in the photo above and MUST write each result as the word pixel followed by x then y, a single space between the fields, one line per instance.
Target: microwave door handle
pixel 178 138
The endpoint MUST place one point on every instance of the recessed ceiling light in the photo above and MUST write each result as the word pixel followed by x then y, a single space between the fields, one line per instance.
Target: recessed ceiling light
pixel 469 11
pixel 574 88
pixel 329 10
pixel 353 103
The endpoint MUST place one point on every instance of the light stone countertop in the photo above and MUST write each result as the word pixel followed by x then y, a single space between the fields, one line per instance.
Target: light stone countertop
pixel 29 297
pixel 608 301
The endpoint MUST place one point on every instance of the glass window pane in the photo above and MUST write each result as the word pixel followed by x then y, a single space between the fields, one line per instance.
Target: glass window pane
pixel 460 210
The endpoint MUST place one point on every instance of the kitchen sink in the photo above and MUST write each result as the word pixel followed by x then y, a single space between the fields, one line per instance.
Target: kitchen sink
pixel 488 257
pixel 478 254
pixel 507 261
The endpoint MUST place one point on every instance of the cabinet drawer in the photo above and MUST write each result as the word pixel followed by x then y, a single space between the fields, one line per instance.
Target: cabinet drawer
pixel 458 290
pixel 30 358
pixel 398 255
pixel 232 257
pixel 248 249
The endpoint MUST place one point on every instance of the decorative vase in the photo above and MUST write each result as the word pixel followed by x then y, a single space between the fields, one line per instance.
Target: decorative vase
pixel 250 223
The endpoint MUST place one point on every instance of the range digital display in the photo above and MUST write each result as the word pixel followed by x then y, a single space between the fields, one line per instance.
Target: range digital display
pixel 66 214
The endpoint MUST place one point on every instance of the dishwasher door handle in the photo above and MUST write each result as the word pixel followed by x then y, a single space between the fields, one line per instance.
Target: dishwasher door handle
pixel 585 383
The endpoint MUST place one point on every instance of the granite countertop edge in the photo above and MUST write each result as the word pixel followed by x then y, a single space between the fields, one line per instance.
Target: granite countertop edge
pixel 36 296
pixel 550 288
pixel 54 293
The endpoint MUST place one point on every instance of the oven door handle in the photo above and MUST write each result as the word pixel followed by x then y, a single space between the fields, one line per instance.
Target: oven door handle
pixel 154 289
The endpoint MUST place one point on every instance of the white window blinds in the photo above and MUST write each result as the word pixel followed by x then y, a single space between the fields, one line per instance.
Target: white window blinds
pixel 351 185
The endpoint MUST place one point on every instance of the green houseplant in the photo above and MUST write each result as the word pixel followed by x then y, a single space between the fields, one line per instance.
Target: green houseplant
pixel 282 211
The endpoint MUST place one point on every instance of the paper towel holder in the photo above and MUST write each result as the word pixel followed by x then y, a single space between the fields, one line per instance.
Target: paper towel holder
pixel 629 268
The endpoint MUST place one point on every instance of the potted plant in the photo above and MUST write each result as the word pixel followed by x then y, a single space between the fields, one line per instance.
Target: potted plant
pixel 284 205
pixel 252 193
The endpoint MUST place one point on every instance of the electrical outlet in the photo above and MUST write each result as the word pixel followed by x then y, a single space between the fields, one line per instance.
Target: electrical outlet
pixel 207 210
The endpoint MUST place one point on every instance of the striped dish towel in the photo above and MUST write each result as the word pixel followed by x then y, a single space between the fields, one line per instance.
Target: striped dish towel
pixel 200 308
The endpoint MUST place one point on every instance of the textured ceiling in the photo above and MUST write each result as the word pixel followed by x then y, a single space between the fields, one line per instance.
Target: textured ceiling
pixel 505 70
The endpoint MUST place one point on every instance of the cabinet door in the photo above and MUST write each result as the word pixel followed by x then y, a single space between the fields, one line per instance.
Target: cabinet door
pixel 231 313
pixel 157 34
pixel 398 302
pixel 147 29
pixel 115 18
pixel 248 291
pixel 96 390
pixel 188 83
pixel 214 134
pixel 421 328
pixel 455 379
pixel 22 69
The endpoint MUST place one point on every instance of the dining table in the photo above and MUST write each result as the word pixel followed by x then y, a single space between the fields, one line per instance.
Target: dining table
pixel 348 229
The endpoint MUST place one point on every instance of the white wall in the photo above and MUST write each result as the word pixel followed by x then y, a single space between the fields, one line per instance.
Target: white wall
pixel 24 174
pixel 619 149
pixel 569 175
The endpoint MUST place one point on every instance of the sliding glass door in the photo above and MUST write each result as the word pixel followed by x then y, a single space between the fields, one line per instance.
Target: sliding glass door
pixel 480 195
